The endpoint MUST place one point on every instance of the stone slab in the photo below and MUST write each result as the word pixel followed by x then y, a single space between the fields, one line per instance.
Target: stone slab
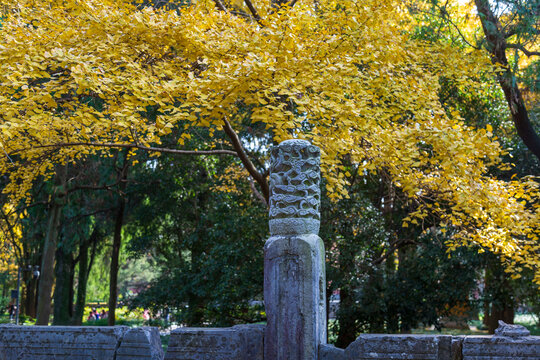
pixel 457 347
pixel 140 343
pixel 400 347
pixel 78 343
pixel 501 348
pixel 241 342
pixel 330 352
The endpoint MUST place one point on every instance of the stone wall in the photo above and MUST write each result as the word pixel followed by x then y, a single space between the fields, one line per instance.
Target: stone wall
pixel 79 343
pixel 500 348
pixel 242 342
pixel 436 347
pixel 245 342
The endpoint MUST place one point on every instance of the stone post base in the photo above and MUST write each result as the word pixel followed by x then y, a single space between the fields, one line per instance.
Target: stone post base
pixel 294 293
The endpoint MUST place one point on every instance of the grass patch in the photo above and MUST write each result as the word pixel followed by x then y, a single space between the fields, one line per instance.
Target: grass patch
pixel 444 331
pixel 531 322
pixel 125 322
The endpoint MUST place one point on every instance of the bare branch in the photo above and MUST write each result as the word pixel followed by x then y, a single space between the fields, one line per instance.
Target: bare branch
pixel 107 187
pixel 220 6
pixel 443 15
pixel 80 216
pixel 514 29
pixel 256 192
pixel 133 146
pixel 291 4
pixel 240 152
pixel 523 50
pixel 253 11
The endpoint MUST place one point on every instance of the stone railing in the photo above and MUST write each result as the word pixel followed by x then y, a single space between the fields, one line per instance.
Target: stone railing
pixel 502 346
pixel 79 342
pixel 245 342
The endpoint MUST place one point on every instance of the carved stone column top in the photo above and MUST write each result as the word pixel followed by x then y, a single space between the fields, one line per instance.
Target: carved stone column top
pixel 511 330
pixel 295 188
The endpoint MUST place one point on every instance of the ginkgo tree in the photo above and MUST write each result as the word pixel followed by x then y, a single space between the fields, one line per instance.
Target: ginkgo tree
pixel 79 77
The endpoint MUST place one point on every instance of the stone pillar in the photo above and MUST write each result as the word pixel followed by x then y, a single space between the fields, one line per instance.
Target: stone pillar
pixel 294 274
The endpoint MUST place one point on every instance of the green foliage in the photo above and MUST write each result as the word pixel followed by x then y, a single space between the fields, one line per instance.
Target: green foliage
pixel 98 281
pixel 390 279
pixel 418 285
pixel 207 243
pixel 429 284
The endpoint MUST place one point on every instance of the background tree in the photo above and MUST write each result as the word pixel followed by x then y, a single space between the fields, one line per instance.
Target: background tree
pixel 512 26
pixel 337 74
pixel 206 235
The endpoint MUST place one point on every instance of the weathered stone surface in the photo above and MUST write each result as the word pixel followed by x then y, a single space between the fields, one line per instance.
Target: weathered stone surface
pixel 294 188
pixel 501 348
pixel 294 293
pixel 253 337
pixel 140 343
pixel 242 342
pixel 294 275
pixel 77 343
pixel 505 329
pixel 330 352
pixel 457 347
pixel 410 347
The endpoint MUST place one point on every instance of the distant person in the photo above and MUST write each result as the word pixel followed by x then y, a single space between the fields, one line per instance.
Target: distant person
pixel 95 314
pixel 103 315
pixel 11 309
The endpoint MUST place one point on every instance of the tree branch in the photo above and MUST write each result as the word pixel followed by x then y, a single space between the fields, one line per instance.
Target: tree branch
pixel 523 50
pixel 496 46
pixel 240 152
pixel 134 146
pixel 253 11
pixel 256 192
pixel 220 6
pixel 80 216
pixel 107 187
pixel 443 15
pixel 17 248
pixel 514 29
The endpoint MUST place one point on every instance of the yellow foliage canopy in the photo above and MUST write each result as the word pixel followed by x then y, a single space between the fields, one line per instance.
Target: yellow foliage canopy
pixel 77 76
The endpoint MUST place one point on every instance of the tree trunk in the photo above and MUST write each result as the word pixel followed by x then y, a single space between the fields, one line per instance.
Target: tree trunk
pixel 81 286
pixel 71 292
pixel 497 45
pixel 196 303
pixel 347 323
pixel 30 298
pixel 63 288
pixel 84 271
pixel 117 242
pixel 49 249
pixel 498 296
pixel 505 313
pixel 85 266
pixel 392 311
